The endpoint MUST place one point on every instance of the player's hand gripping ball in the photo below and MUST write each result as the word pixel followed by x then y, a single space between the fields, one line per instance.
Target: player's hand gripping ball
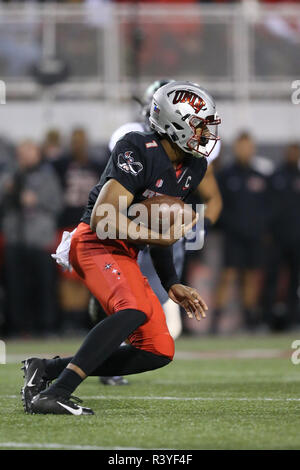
pixel 163 214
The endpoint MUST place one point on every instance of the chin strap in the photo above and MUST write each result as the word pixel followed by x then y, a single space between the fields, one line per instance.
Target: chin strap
pixel 197 155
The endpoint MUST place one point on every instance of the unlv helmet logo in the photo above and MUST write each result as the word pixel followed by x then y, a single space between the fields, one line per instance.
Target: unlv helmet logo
pixel 182 96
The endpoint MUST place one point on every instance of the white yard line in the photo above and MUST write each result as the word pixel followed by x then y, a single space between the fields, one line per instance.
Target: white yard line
pixel 37 445
pixel 103 397
pixel 120 397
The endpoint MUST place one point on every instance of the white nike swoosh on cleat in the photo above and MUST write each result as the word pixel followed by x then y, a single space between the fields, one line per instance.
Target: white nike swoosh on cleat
pixel 71 410
pixel 30 384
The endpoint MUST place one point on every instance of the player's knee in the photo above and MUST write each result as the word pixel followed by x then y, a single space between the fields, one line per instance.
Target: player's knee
pixel 165 347
pixel 171 351
pixel 156 361
pixel 171 348
pixel 164 361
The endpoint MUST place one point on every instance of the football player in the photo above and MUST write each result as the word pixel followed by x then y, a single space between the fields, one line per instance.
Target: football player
pixel 213 201
pixel 209 193
pixel 96 312
pixel 184 126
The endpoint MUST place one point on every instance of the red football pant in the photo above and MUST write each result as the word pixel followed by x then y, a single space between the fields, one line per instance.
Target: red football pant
pixel 110 271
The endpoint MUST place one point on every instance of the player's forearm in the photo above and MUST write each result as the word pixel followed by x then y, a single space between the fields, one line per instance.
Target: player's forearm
pixel 162 259
pixel 213 208
pixel 210 194
pixel 119 226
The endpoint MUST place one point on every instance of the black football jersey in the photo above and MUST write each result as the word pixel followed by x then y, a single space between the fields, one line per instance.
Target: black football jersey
pixel 140 164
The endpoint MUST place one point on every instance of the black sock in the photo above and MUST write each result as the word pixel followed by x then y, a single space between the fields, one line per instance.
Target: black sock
pixel 67 382
pixel 99 344
pixel 53 367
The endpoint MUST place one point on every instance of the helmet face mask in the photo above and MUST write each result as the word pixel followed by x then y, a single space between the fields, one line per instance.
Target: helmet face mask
pixel 186 113
pixel 205 135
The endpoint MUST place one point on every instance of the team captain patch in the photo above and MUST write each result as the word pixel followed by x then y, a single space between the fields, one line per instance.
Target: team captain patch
pixel 126 163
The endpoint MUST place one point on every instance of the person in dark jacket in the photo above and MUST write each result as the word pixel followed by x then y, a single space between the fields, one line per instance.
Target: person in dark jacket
pixel 31 200
pixel 244 191
pixel 284 247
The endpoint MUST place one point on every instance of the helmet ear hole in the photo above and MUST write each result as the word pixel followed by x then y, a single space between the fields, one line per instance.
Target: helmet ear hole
pixel 177 126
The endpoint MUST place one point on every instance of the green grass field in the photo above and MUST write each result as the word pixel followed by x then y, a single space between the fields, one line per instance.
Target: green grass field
pixel 223 393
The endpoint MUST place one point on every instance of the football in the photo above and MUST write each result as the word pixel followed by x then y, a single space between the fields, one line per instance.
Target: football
pixel 159 213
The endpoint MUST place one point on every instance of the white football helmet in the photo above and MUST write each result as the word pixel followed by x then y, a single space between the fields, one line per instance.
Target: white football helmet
pixel 148 95
pixel 187 114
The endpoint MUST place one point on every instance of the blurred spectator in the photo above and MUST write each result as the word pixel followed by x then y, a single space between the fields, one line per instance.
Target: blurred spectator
pixel 31 199
pixel 52 145
pixel 283 310
pixel 4 161
pixel 6 152
pixel 78 173
pixel 243 220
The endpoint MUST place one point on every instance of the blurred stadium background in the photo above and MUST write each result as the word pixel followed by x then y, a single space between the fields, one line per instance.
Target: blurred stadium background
pixel 73 71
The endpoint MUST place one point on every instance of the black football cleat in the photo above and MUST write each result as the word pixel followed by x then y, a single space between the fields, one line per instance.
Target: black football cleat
pixel 35 381
pixel 58 405
pixel 115 380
